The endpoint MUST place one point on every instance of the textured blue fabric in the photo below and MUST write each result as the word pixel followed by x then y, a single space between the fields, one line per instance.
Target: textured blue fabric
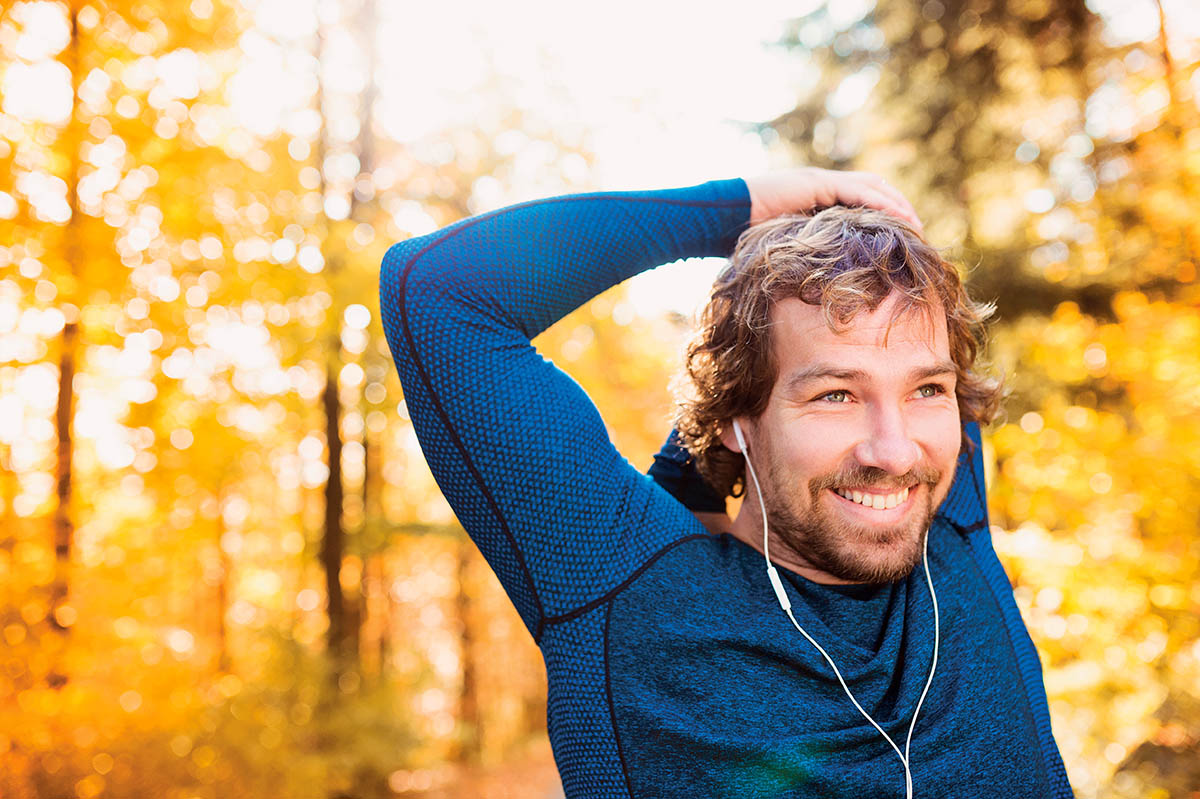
pixel 644 620
pixel 675 470
pixel 725 698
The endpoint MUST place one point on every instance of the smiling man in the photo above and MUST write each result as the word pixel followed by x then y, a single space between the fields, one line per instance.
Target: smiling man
pixel 868 498
pixel 856 343
pixel 793 653
pixel 860 438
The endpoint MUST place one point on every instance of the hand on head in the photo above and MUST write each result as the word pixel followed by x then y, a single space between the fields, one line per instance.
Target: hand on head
pixel 800 190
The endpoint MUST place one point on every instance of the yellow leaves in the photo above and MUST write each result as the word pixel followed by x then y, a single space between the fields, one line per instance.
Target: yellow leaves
pixel 992 192
pixel 65 616
pixel 40 701
pixel 36 563
pixel 1080 675
pixel 1102 456
pixel 14 634
pixel 90 787
pixel 1169 597
pixel 229 685
pixel 1057 459
pixel 204 756
pixel 625 363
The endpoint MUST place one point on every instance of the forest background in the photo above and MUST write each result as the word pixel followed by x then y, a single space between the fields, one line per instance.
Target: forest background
pixel 224 568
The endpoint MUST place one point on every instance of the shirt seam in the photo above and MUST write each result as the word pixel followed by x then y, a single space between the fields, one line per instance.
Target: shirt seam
pixel 611 594
pixel 612 710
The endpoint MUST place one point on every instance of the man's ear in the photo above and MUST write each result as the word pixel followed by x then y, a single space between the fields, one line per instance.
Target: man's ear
pixel 728 438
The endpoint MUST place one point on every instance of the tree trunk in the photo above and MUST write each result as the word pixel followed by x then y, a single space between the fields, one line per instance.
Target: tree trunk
pixel 1180 119
pixel 374 586
pixel 64 527
pixel 8 531
pixel 344 625
pixel 333 540
pixel 378 618
pixel 63 530
pixel 470 738
pixel 333 534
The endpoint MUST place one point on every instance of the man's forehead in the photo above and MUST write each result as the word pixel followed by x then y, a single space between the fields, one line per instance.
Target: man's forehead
pixel 802 331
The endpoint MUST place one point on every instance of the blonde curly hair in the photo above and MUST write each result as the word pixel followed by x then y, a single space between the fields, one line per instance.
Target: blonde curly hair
pixel 846 260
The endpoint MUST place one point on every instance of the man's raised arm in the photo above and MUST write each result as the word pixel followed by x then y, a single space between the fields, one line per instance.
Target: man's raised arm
pixel 515 444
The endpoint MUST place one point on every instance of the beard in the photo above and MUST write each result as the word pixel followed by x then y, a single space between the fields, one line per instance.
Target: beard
pixel 856 553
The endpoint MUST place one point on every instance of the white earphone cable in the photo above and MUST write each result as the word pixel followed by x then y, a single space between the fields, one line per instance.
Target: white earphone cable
pixel 786 604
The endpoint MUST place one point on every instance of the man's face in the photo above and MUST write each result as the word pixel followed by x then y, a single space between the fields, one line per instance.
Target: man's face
pixel 858 443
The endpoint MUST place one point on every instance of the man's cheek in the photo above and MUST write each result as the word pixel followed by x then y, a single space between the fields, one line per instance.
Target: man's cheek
pixel 826 439
pixel 944 431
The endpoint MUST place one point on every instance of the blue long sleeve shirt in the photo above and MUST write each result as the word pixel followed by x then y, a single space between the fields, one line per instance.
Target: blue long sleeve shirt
pixel 671 669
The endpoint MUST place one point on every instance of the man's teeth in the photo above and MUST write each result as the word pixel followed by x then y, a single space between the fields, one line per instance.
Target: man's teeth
pixel 876 501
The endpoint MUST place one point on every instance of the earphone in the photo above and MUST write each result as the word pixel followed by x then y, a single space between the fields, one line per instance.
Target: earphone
pixel 786 604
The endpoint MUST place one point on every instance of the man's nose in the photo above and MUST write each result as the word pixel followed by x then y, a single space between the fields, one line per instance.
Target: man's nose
pixel 888 444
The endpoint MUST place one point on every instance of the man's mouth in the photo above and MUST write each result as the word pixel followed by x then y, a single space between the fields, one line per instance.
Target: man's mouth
pixel 874 500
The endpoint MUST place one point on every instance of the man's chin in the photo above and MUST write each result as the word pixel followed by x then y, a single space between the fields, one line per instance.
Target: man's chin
pixel 873 565
pixel 883 570
pixel 859 553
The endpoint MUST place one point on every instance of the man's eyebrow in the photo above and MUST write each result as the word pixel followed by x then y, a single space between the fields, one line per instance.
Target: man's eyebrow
pixel 935 370
pixel 822 371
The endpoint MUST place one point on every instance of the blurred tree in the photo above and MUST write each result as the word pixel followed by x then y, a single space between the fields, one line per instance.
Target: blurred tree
pixel 968 105
pixel 332 547
pixel 63 523
pixel 469 743
pixel 78 201
pixel 218 255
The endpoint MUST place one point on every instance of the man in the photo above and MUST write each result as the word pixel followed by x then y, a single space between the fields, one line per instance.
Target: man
pixel 797 654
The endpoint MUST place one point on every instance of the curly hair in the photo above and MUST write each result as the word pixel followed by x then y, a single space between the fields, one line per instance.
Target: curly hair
pixel 845 260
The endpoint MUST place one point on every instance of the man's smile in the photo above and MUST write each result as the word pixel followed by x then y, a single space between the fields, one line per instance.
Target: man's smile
pixel 874 499
pixel 878 506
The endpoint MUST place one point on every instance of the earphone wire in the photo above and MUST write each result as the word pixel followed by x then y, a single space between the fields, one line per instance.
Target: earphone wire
pixel 785 603
pixel 937 636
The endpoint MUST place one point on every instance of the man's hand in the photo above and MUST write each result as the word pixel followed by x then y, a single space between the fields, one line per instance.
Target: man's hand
pixel 799 191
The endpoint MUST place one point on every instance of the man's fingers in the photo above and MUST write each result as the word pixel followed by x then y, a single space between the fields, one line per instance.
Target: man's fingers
pixel 869 189
pixel 895 203
pixel 894 193
pixel 902 204
pixel 804 189
pixel 869 192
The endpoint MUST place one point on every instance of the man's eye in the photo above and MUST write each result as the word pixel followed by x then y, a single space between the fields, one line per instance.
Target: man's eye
pixel 931 390
pixel 836 396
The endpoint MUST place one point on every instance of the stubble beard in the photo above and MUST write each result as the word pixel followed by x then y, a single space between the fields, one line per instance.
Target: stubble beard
pixel 852 552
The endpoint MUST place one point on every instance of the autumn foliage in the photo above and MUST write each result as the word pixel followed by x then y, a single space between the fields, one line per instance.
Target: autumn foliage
pixel 224 568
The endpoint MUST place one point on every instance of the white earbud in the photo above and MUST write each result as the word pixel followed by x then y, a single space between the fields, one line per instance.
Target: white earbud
pixel 786 604
pixel 737 433
pixel 772 574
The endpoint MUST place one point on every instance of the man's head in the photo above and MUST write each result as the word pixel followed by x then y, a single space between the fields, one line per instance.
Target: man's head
pixel 845 346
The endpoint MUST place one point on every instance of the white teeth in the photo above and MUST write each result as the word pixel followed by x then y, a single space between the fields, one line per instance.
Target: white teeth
pixel 875 501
